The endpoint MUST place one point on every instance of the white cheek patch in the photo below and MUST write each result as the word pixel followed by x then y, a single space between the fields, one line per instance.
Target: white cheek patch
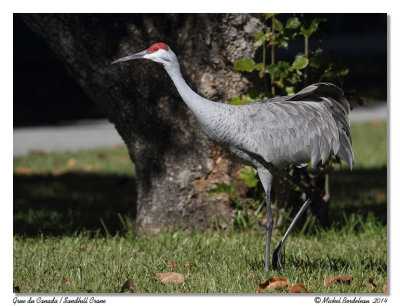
pixel 156 56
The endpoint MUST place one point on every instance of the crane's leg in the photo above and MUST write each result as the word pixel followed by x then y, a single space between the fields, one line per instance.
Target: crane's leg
pixel 276 257
pixel 266 180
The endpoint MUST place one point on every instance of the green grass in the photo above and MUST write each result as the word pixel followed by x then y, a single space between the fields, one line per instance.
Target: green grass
pixel 218 262
pixel 63 209
pixel 370 144
pixel 100 161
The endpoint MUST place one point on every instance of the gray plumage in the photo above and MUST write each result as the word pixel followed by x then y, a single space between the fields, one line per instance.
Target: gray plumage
pixel 309 126
pixel 312 125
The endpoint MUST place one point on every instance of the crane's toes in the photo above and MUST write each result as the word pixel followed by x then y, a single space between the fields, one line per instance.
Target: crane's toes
pixel 276 260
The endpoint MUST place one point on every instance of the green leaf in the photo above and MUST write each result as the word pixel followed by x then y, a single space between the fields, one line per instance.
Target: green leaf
pixel 269 15
pixel 343 72
pixel 293 23
pixel 289 33
pixel 279 84
pixel 300 63
pixel 290 90
pixel 260 41
pixel 306 31
pixel 241 101
pixel 278 70
pixel 283 43
pixel 277 25
pixel 314 62
pixel 258 66
pixel 317 52
pixel 249 175
pixel 223 188
pixel 312 27
pixel 272 69
pixel 293 79
pixel 246 64
pixel 258 35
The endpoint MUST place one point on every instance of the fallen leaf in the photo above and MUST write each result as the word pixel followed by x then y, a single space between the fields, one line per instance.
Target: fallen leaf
pixel 274 283
pixel 128 285
pixel 92 167
pixel 383 196
pixel 169 277
pixel 384 288
pixel 67 282
pixel 71 163
pixel 371 281
pixel 338 279
pixel 16 289
pixel 376 123
pixel 186 266
pixel 58 172
pixel 298 288
pixel 24 170
pixel 171 265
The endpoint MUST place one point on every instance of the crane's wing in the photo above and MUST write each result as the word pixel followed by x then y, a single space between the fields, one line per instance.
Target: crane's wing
pixel 309 126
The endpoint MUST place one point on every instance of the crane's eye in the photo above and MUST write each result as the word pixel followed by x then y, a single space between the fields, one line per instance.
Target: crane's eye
pixel 155 49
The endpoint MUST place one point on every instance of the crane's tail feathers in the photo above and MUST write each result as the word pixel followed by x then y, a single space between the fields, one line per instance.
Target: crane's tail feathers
pixel 345 151
pixel 333 97
pixel 319 90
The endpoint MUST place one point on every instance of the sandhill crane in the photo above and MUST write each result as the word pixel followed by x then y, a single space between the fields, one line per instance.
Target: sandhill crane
pixel 269 135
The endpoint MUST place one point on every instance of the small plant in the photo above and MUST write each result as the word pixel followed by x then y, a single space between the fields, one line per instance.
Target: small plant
pixel 281 77
pixel 248 211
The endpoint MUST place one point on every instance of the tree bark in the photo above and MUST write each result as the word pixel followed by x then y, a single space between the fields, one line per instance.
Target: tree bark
pixel 175 162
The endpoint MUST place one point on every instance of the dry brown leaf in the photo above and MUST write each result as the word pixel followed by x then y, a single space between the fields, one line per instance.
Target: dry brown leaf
pixel 171 265
pixel 128 285
pixel 92 167
pixel 338 279
pixel 25 170
pixel 384 288
pixel 376 123
pixel 67 282
pixel 169 277
pixel 274 283
pixel 298 288
pixel 186 266
pixel 16 289
pixel 59 172
pixel 71 163
pixel 383 196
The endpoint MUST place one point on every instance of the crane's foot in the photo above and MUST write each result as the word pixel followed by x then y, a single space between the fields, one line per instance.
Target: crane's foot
pixel 276 258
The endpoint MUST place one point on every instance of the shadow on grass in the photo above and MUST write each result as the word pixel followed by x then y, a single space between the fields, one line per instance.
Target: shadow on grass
pixel 361 191
pixel 334 263
pixel 76 201
pixel 72 202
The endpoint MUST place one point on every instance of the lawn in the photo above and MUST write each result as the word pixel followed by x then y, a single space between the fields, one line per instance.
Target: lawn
pixel 72 231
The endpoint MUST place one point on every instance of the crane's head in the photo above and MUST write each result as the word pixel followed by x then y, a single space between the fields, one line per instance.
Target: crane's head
pixel 158 52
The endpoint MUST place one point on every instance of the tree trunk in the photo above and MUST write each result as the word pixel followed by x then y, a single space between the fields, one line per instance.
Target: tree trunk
pixel 175 162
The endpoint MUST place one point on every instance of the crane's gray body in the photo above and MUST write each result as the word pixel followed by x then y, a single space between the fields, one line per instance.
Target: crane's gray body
pixel 312 125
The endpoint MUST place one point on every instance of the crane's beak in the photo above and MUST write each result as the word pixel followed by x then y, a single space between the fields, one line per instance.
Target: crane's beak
pixel 130 57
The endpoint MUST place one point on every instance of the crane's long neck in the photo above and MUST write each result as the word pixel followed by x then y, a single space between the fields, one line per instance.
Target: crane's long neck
pixel 195 102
